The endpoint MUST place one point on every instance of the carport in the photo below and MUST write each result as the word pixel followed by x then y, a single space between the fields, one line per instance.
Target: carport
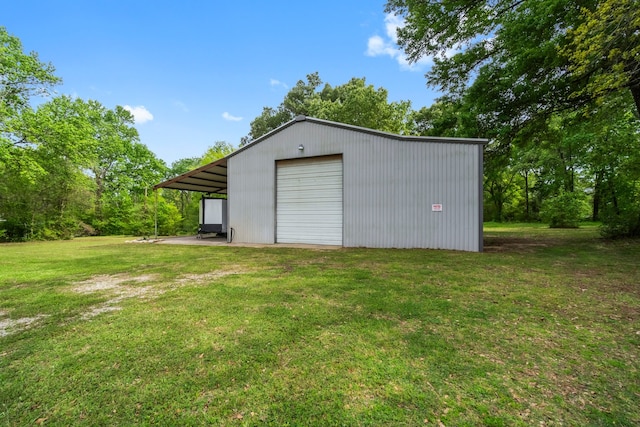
pixel 211 178
pixel 208 179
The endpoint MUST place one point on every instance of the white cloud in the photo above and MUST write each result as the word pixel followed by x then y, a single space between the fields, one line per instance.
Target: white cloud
pixel 391 24
pixel 377 46
pixel 274 82
pixel 231 118
pixel 140 113
pixel 388 46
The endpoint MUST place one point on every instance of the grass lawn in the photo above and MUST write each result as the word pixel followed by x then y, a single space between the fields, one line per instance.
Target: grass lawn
pixel 542 329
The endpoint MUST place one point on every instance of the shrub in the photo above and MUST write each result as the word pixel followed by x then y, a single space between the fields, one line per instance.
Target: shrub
pixel 565 210
pixel 622 221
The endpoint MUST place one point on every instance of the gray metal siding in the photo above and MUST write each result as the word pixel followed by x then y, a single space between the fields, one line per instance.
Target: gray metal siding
pixel 480 198
pixel 389 188
pixel 251 199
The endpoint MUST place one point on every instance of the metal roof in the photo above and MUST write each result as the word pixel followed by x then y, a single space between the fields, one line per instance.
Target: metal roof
pixel 212 178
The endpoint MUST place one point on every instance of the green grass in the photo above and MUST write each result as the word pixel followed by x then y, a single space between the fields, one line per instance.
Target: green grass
pixel 541 329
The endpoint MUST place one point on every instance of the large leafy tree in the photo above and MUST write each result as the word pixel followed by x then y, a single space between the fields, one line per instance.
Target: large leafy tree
pixel 354 103
pixel 22 76
pixel 85 163
pixel 217 151
pixel 121 162
pixel 604 50
pixel 503 55
pixel 68 160
pixel 445 117
pixel 612 159
pixel 360 104
pixel 44 189
pixel 123 170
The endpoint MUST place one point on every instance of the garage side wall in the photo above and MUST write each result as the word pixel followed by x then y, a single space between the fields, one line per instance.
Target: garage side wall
pixel 392 190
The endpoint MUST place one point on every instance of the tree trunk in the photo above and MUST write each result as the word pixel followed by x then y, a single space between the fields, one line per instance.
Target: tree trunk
pixel 635 92
pixel 526 194
pixel 596 197
pixel 498 201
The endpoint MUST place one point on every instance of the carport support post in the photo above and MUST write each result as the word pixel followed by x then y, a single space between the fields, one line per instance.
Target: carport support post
pixel 156 214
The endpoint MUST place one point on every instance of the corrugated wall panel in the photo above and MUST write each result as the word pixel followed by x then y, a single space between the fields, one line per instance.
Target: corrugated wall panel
pixel 251 199
pixel 390 187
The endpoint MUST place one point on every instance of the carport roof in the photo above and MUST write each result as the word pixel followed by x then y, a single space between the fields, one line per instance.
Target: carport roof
pixel 211 178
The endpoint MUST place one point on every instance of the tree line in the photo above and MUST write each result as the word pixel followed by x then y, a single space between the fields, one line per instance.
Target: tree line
pixel 72 167
pixel 553 84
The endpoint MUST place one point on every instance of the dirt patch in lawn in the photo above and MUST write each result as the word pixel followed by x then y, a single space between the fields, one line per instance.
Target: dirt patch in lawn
pixel 109 282
pixel 10 326
pixel 116 288
pixel 120 287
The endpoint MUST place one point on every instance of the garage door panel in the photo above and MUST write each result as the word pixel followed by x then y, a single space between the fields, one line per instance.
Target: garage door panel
pixel 309 201
pixel 309 210
pixel 290 171
pixel 327 197
pixel 316 222
pixel 329 190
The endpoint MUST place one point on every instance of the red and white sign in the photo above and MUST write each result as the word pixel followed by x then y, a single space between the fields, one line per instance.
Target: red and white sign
pixel 436 207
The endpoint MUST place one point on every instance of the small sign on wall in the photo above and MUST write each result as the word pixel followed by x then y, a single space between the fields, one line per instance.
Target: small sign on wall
pixel 436 207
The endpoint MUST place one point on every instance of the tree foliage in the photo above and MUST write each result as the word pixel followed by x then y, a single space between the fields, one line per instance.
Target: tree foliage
pixel 604 49
pixel 217 151
pixel 445 117
pixel 85 166
pixel 22 76
pixel 504 56
pixel 612 159
pixel 186 202
pixel 354 103
pixel 43 189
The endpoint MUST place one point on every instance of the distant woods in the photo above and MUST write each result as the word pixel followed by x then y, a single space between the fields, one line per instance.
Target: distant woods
pixel 71 167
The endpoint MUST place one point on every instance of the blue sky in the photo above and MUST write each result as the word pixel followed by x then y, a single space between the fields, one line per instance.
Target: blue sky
pixel 197 72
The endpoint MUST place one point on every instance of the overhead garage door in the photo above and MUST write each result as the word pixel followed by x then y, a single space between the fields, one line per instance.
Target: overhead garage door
pixel 309 201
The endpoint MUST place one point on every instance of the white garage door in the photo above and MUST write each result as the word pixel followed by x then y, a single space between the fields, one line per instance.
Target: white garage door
pixel 309 201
